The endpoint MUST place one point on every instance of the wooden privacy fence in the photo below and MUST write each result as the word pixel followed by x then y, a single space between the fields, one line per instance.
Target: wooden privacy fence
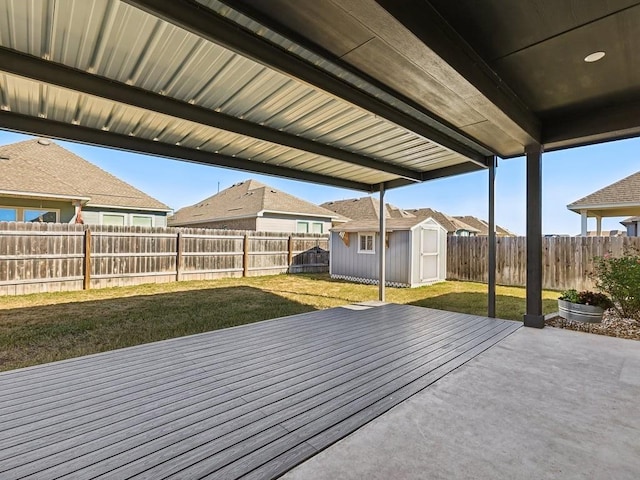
pixel 44 257
pixel 567 262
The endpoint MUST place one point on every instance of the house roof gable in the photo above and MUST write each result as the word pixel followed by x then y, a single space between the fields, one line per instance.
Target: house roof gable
pixel 364 208
pixel 482 226
pixel 451 224
pixel 41 167
pixel 245 200
pixel 625 191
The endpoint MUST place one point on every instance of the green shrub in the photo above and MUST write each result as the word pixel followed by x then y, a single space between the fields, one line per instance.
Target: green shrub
pixel 620 279
pixel 587 297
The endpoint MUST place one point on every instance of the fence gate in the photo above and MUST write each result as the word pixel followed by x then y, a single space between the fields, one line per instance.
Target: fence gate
pixel 429 253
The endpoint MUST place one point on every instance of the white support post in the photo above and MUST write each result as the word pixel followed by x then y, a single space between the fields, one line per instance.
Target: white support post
pixel 583 223
pixel 598 226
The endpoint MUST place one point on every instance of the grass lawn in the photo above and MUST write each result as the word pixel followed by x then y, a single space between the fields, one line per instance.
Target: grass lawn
pixel 47 327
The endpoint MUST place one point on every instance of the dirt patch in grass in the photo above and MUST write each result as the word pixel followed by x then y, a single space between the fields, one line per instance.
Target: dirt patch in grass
pixel 42 328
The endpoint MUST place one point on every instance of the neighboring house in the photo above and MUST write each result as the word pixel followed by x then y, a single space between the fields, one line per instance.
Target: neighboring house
pixel 251 205
pixel 606 233
pixel 367 208
pixel 364 208
pixel 483 227
pixel 453 226
pixel 416 251
pixel 620 199
pixel 632 224
pixel 42 182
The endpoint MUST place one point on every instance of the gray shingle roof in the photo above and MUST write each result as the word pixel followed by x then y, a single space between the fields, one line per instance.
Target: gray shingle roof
pixel 364 208
pixel 625 191
pixel 41 167
pixel 482 226
pixel 246 199
pixel 451 224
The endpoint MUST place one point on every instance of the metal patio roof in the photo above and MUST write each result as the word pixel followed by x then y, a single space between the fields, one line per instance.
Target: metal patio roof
pixel 106 72
pixel 357 93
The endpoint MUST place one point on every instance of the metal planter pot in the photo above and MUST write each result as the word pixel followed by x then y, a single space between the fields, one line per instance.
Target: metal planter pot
pixel 580 313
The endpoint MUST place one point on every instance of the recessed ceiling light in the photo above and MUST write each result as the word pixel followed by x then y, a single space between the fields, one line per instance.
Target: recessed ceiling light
pixel 594 57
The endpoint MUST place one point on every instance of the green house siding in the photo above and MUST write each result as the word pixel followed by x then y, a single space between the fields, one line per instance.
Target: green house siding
pixel 113 216
pixel 91 215
pixel 65 209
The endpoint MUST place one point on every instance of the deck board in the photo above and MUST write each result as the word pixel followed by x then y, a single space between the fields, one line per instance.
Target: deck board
pixel 248 401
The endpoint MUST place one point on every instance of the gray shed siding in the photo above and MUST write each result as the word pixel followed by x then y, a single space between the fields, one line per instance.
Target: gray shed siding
pixel 347 262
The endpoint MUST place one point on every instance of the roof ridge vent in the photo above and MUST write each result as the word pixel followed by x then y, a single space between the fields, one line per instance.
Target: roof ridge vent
pixel 44 141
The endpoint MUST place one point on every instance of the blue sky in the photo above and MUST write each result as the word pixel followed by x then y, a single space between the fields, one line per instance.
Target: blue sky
pixel 567 176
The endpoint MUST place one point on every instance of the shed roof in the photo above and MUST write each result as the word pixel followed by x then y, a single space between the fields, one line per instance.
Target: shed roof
pixel 246 199
pixel 41 168
pixel 392 224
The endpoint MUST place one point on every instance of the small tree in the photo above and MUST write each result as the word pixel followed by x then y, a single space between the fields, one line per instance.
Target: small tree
pixel 620 279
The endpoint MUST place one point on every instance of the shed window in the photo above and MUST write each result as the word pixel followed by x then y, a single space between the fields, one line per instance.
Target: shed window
pixel 112 219
pixel 303 227
pixel 142 221
pixel 316 227
pixel 366 243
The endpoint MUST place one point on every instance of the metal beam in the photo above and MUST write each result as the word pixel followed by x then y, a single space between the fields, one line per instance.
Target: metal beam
pixel 382 277
pixel 76 133
pixel 533 316
pixel 56 74
pixel 491 307
pixel 596 126
pixel 450 171
pixel 259 14
pixel 426 23
pixel 205 23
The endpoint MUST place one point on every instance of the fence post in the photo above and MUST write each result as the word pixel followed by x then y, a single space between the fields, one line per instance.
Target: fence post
pixel 290 256
pixel 87 260
pixel 178 255
pixel 245 256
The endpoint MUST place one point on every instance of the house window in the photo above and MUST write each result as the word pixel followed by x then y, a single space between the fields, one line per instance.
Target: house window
pixel 42 216
pixel 303 227
pixel 112 219
pixel 142 221
pixel 316 227
pixel 366 243
pixel 8 214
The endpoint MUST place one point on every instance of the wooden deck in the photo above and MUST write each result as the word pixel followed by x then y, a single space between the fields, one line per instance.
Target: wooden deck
pixel 246 402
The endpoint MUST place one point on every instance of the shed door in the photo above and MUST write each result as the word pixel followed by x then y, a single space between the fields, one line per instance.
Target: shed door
pixel 429 253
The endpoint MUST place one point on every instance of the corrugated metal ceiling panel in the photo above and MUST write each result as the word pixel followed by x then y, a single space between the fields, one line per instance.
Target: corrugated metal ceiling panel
pixel 120 42
pixel 28 97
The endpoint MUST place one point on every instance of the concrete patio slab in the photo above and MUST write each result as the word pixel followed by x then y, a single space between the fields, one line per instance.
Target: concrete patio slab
pixel 541 404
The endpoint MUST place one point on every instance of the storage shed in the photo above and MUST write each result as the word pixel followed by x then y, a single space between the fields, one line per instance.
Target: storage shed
pixel 416 252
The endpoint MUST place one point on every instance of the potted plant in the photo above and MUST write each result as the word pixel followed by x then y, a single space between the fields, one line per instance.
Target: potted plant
pixel 583 306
